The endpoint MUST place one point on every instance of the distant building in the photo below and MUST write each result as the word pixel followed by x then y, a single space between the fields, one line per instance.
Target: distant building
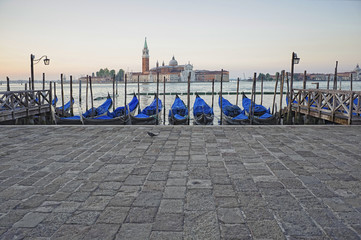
pixel 172 72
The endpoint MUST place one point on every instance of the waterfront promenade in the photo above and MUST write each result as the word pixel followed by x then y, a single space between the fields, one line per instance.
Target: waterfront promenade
pixel 189 182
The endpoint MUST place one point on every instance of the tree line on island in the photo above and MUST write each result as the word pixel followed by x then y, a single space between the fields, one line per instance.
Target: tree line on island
pixel 106 73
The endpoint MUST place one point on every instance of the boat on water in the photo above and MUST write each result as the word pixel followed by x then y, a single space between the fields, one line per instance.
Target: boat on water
pixel 90 113
pixel 120 116
pixel 261 115
pixel 232 114
pixel 59 110
pixel 202 112
pixel 178 114
pixel 148 116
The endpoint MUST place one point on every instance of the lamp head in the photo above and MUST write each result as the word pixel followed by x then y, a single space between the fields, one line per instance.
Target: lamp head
pixel 296 59
pixel 46 61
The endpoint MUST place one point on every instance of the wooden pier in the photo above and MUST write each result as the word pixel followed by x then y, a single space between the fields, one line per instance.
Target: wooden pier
pixel 15 105
pixel 337 106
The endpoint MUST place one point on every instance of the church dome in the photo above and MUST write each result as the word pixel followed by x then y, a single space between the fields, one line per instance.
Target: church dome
pixel 173 62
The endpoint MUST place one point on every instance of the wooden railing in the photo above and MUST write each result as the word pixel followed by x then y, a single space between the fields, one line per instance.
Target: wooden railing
pixel 332 105
pixel 18 104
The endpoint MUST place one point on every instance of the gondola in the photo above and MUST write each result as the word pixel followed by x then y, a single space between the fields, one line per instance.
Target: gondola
pixel 90 113
pixel 261 115
pixel 202 112
pixel 178 114
pixel 117 117
pixel 149 114
pixel 59 110
pixel 232 114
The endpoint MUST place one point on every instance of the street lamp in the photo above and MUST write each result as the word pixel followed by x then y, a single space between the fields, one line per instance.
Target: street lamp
pixel 34 61
pixel 295 60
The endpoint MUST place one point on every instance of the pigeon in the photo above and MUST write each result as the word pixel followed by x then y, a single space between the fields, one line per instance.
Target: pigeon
pixel 152 134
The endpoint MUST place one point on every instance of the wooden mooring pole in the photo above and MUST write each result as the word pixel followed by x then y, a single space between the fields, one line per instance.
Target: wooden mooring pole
pixel 212 92
pixel 221 98
pixel 335 78
pixel 71 96
pixel 188 96
pixel 157 111
pixel 29 83
pixel 351 82
pixel 113 92
pixel 62 93
pixel 253 99
pixel 262 89
pixel 164 101
pixel 43 81
pixel 55 95
pixel 125 97
pixel 237 91
pixel 275 92
pixel 282 80
pixel 138 96
pixel 328 81
pixel 7 84
pixel 91 95
pixel 80 93
pixel 304 79
pixel 87 93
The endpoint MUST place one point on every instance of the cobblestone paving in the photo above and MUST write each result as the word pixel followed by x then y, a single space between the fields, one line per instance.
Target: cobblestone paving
pixel 190 182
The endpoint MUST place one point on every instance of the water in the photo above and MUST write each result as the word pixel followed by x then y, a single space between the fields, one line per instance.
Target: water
pixel 102 90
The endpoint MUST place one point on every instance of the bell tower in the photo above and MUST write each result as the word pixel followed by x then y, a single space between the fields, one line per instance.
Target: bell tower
pixel 145 58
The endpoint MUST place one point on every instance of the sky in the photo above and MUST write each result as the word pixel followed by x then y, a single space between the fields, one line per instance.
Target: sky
pixel 241 36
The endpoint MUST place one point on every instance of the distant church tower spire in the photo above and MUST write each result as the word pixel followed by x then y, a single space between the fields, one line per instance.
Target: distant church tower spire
pixel 145 58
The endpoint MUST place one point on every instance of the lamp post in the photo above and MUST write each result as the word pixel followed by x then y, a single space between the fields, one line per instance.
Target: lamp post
pixel 34 61
pixel 295 60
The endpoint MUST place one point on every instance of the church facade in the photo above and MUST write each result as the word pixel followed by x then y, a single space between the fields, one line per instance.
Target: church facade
pixel 172 72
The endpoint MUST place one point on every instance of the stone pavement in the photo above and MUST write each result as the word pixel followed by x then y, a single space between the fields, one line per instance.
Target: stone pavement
pixel 189 182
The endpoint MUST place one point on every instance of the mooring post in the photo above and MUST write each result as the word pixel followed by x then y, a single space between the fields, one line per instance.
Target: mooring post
pixel 275 92
pixel 91 95
pixel 138 96
pixel 262 89
pixel 212 92
pixel 55 96
pixel 50 102
pixel 221 97
pixel 7 84
pixel 113 92
pixel 29 83
pixel 164 101
pixel 188 96
pixel 80 93
pixel 71 96
pixel 349 122
pixel 282 80
pixel 43 81
pixel 288 119
pixel 125 97
pixel 87 93
pixel 335 78
pixel 62 93
pixel 26 86
pixel 237 91
pixel 304 79
pixel 328 81
pixel 157 111
pixel 350 81
pixel 253 98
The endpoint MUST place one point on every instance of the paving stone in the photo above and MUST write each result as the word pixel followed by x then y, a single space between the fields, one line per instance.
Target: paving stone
pixel 71 231
pixel 83 217
pixel 162 235
pixel 171 206
pixel 141 215
pixel 31 220
pixel 95 203
pixel 148 199
pixel 235 231
pixel 230 215
pixel 134 231
pixel 168 222
pixel 174 192
pixel 201 225
pixel 102 232
pixel 199 199
pixel 266 229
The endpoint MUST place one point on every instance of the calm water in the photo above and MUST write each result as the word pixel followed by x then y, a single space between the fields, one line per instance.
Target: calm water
pixel 102 90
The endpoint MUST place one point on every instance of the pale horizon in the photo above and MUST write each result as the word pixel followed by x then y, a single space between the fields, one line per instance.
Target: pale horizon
pixel 242 37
